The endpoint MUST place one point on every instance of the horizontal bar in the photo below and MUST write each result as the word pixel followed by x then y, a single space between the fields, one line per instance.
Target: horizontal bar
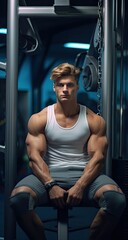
pixel 2 148
pixel 2 66
pixel 61 2
pixel 28 11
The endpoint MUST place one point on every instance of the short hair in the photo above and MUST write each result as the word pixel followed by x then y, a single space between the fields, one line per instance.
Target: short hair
pixel 63 70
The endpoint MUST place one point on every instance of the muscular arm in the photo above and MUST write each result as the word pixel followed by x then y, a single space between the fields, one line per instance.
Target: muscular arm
pixel 36 147
pixel 96 148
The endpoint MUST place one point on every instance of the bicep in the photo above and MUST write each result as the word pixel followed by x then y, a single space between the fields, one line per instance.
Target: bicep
pixel 97 144
pixel 35 141
pixel 36 144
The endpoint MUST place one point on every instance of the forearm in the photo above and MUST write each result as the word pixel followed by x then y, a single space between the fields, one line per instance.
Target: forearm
pixel 40 169
pixel 91 171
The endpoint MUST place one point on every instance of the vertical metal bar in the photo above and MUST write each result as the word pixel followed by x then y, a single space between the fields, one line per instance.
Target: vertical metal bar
pixel 62 224
pixel 121 79
pixel 11 113
pixel 108 78
pixel 114 110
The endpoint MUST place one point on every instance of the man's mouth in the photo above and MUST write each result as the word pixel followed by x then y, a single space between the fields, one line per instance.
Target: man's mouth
pixel 64 95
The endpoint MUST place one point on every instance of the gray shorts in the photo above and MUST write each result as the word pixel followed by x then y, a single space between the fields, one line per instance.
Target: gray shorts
pixel 43 199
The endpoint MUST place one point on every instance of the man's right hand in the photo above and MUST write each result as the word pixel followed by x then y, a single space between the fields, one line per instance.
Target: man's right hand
pixel 58 196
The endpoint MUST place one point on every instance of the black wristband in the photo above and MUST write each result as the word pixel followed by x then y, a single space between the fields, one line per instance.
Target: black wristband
pixel 49 185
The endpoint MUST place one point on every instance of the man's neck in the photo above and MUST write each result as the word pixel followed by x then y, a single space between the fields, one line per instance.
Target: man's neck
pixel 68 109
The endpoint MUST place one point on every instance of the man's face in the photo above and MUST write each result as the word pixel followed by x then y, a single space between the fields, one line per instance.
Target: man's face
pixel 66 88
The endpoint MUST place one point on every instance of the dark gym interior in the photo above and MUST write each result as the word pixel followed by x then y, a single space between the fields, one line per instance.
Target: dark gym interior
pixel 35 43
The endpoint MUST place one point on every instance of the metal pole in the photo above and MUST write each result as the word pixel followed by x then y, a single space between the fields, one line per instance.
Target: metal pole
pixel 108 78
pixel 11 114
pixel 121 80
pixel 50 11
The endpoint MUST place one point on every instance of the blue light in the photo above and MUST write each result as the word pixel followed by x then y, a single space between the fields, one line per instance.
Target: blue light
pixel 3 30
pixel 77 45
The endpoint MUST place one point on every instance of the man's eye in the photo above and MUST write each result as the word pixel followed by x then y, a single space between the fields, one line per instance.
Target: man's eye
pixel 69 85
pixel 60 85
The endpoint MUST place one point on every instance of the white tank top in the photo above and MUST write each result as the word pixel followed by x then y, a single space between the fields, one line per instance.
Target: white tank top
pixel 66 149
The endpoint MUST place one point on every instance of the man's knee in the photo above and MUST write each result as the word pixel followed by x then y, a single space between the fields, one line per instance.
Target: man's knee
pixel 22 202
pixel 113 202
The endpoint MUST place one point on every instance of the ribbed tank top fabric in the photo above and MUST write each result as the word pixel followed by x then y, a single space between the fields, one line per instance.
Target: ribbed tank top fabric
pixel 66 153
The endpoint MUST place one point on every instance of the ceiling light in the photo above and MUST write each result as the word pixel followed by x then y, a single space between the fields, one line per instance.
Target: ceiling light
pixel 3 30
pixel 77 45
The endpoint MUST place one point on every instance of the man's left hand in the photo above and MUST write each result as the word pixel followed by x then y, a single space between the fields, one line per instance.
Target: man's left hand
pixel 75 195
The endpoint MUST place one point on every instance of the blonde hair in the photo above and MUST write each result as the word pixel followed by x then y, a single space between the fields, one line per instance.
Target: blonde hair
pixel 65 69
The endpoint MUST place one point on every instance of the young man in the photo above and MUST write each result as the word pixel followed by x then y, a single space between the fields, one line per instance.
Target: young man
pixel 66 145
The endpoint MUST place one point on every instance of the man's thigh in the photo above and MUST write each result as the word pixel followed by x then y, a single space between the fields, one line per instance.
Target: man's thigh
pixel 99 182
pixel 36 185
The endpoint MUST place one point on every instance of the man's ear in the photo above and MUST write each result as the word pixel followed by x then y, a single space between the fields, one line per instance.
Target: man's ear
pixel 53 87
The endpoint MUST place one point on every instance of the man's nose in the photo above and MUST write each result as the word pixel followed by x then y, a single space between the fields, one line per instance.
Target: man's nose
pixel 65 88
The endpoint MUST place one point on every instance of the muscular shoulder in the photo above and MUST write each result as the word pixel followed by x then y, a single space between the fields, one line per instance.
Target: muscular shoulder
pixel 37 122
pixel 96 123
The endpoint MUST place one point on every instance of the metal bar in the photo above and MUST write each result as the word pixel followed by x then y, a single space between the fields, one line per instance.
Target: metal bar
pixel 61 2
pixel 121 80
pixel 2 149
pixel 108 79
pixel 50 11
pixel 62 224
pixel 114 110
pixel 11 114
pixel 2 66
